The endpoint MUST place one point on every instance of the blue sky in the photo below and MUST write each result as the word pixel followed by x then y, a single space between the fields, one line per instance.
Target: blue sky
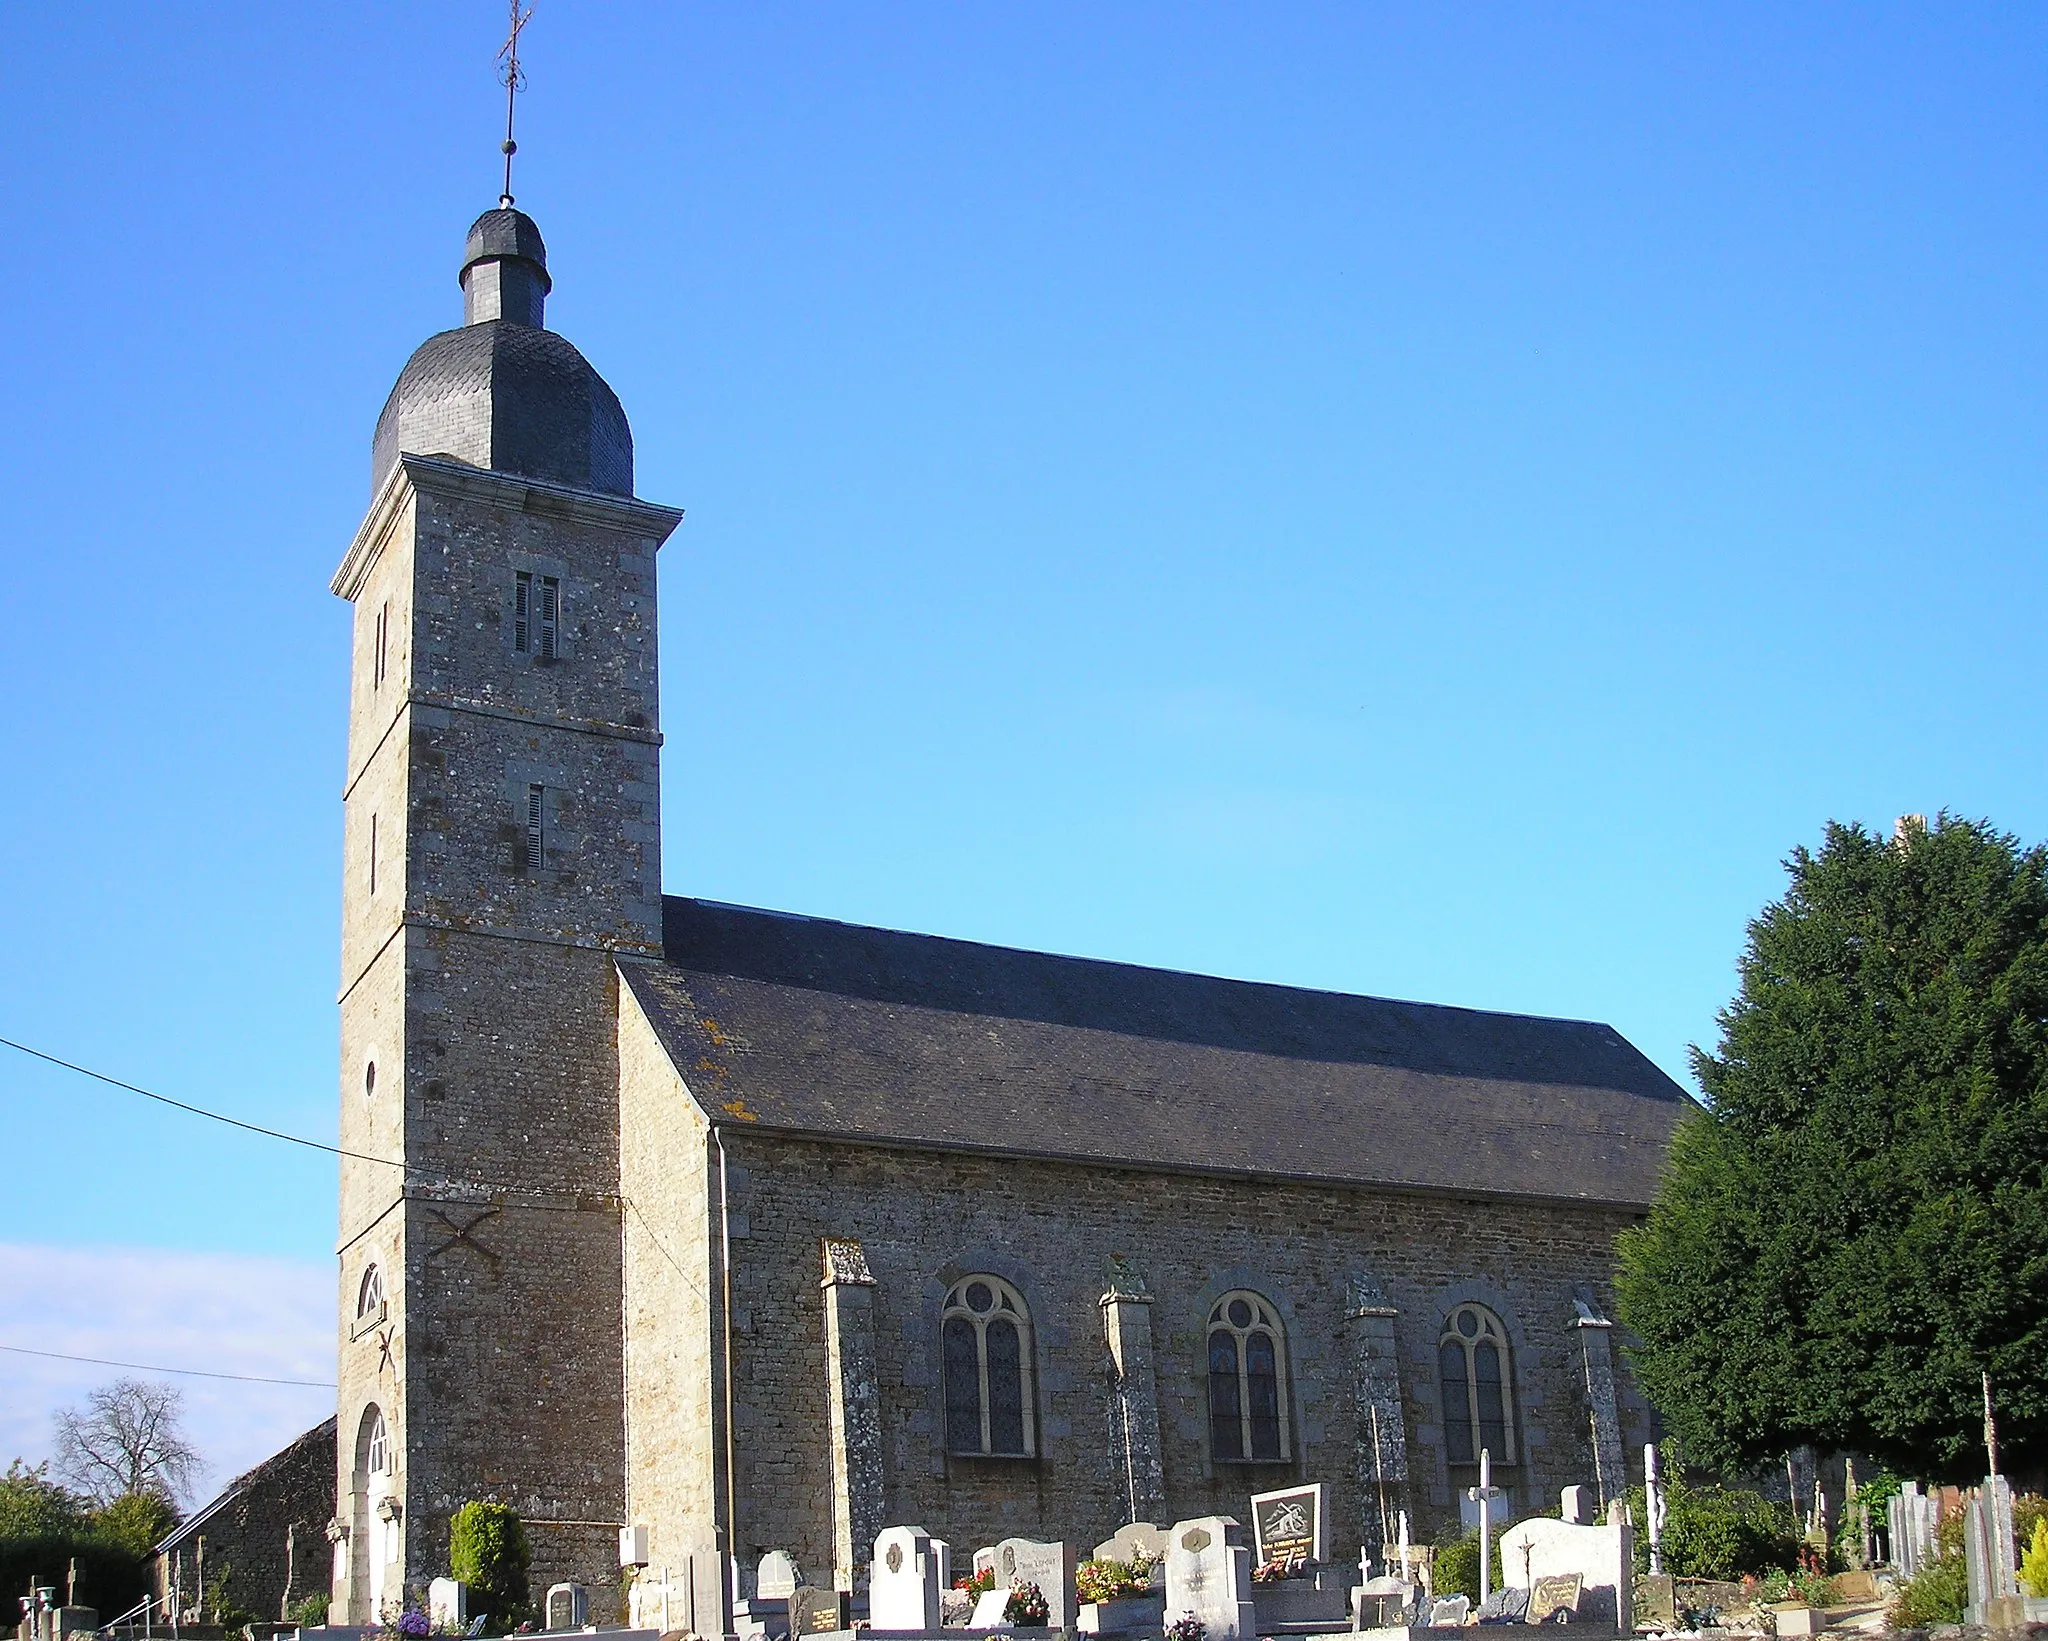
pixel 1429 500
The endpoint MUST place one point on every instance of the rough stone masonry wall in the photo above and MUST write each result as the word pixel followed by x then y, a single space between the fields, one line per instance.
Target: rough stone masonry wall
pixel 495 1007
pixel 926 1219
pixel 674 1465
pixel 268 1538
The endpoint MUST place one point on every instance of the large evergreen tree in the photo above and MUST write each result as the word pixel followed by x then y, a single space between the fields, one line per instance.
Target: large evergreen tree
pixel 1857 1227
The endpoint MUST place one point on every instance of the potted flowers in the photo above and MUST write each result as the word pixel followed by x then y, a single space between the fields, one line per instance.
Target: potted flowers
pixel 1116 1596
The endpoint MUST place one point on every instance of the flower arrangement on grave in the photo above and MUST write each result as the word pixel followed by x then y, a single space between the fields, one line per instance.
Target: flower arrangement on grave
pixel 1106 1579
pixel 413 1622
pixel 977 1584
pixel 1027 1606
pixel 1279 1567
pixel 1187 1627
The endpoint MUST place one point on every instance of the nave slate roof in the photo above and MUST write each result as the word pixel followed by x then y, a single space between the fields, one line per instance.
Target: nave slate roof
pixel 807 1026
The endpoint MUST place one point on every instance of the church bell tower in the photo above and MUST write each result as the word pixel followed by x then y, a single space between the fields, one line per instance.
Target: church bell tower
pixel 502 831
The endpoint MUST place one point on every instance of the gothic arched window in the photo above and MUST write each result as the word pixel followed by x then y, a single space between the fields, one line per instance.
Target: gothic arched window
pixel 370 1296
pixel 985 1339
pixel 1247 1381
pixel 1479 1405
pixel 376 1445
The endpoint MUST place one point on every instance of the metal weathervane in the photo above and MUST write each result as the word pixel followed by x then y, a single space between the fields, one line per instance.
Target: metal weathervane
pixel 513 78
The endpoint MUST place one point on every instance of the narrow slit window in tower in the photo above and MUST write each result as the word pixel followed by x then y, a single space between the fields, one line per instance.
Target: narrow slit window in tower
pixel 536 842
pixel 373 854
pixel 383 642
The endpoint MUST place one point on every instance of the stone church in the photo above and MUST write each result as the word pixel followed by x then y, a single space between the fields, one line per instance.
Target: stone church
pixel 758 1230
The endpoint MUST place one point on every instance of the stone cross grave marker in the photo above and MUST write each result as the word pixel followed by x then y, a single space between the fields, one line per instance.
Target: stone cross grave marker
pixel 1209 1574
pixel 1049 1566
pixel 903 1581
pixel 1292 1522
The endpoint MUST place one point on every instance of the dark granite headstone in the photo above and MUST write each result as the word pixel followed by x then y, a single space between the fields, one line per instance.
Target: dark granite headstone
pixel 813 1611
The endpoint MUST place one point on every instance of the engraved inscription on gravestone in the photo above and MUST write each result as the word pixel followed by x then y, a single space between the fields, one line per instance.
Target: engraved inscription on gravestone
pixel 1558 1594
pixel 1291 1524
pixel 813 1611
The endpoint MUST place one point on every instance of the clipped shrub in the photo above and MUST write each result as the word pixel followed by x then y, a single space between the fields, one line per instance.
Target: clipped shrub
pixel 487 1550
pixel 1721 1533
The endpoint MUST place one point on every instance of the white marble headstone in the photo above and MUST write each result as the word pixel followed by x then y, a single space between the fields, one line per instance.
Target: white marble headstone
pixel 903 1581
pixel 1049 1566
pixel 1138 1538
pixel 777 1576
pixel 1572 1506
pixel 448 1604
pixel 1209 1574
pixel 1543 1547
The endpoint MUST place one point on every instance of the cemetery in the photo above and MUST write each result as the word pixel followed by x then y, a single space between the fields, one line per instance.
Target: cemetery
pixel 1859 1561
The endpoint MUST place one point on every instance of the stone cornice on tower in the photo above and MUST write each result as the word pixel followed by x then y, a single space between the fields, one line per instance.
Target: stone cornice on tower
pixel 447 476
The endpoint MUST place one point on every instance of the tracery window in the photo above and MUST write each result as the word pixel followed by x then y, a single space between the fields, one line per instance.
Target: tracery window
pixel 985 1340
pixel 1247 1381
pixel 370 1296
pixel 1475 1363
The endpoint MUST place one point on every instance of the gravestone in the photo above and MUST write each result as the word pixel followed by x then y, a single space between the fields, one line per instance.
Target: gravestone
pixel 1798 1620
pixel 1559 1593
pixel 447 1605
pixel 1572 1506
pixel 777 1576
pixel 568 1606
pixel 1381 1603
pixel 813 1611
pixel 1292 1523
pixel 1449 1612
pixel 1600 1557
pixel 1209 1577
pixel 990 1609
pixel 1138 1538
pixel 1504 1606
pixel 903 1581
pixel 1049 1566
pixel 1656 1603
pixel 985 1561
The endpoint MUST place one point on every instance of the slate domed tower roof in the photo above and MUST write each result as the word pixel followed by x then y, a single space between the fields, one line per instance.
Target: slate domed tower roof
pixel 503 391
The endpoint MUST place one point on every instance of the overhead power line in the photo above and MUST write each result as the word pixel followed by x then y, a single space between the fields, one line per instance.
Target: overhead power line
pixel 199 1111
pixel 190 1373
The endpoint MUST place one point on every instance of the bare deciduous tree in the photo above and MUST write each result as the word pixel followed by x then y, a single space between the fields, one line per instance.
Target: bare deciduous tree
pixel 126 1439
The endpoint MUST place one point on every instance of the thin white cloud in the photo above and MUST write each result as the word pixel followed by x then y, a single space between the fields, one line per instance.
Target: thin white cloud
pixel 227 1313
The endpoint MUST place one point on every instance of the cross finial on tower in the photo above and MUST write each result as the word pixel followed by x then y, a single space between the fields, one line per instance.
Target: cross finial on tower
pixel 514 79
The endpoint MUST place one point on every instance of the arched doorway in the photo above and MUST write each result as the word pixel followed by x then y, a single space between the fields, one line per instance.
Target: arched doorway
pixel 368 1554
